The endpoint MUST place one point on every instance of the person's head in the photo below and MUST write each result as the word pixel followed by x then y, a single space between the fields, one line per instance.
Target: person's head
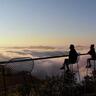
pixel 72 47
pixel 92 46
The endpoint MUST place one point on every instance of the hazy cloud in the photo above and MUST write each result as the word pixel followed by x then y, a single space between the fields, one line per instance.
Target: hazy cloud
pixel 41 67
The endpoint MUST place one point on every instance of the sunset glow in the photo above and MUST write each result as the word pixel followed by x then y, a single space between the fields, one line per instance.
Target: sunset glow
pixel 47 22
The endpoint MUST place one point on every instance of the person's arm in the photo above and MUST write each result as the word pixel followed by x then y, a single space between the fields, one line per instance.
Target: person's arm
pixel 88 52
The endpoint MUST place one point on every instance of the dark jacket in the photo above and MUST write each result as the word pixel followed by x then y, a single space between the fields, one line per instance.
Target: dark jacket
pixel 92 53
pixel 73 56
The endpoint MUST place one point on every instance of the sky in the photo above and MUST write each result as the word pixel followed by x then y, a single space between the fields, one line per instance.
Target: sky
pixel 47 22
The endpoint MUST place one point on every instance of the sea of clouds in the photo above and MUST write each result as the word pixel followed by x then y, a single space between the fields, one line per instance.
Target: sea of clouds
pixel 41 68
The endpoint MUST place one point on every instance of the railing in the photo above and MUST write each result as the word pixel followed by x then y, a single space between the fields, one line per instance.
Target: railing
pixel 23 59
pixel 30 59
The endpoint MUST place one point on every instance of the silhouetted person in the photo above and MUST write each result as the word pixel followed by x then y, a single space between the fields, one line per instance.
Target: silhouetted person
pixel 92 53
pixel 72 58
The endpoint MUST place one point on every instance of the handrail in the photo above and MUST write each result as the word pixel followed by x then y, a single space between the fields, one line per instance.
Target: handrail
pixel 30 59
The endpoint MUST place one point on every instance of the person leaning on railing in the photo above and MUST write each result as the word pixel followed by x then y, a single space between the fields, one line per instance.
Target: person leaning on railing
pixel 72 58
pixel 92 53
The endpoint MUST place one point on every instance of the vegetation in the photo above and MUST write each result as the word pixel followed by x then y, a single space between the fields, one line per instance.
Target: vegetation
pixel 64 85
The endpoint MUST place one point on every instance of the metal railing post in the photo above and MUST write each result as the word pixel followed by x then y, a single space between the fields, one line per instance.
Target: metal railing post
pixel 4 81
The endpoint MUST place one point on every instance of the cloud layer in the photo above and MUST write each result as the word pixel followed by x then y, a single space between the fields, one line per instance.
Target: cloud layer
pixel 41 68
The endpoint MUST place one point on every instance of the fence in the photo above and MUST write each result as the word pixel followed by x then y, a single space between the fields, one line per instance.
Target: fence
pixel 7 79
